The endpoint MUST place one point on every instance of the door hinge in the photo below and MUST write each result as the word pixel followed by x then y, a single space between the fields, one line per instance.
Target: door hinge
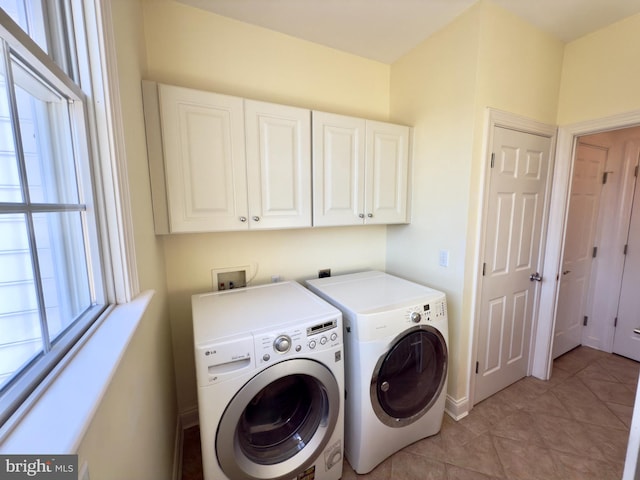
pixel 624 250
pixel 493 159
pixel 604 177
pixel 615 322
pixel 477 366
pixel 595 252
pixel 635 172
pixel 484 269
pixel 585 321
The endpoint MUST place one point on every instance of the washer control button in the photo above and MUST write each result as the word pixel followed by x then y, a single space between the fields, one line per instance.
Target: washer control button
pixel 282 344
pixel 415 317
pixel 312 344
pixel 323 340
pixel 334 336
pixel 298 348
pixel 266 357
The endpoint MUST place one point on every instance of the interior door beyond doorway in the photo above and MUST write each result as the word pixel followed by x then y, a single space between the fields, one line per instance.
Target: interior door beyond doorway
pixel 517 200
pixel 626 340
pixel 577 259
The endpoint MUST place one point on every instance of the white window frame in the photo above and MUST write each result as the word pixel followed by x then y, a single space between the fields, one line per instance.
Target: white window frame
pixel 97 65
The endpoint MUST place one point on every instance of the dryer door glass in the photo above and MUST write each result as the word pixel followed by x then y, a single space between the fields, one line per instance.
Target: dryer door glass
pixel 410 377
pixel 281 419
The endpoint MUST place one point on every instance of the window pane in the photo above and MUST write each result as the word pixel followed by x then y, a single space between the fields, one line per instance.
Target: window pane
pixel 9 177
pixel 46 140
pixel 29 15
pixel 63 268
pixel 20 334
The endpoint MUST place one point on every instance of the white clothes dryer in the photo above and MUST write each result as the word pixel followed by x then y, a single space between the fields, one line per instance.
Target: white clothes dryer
pixel 396 335
pixel 270 373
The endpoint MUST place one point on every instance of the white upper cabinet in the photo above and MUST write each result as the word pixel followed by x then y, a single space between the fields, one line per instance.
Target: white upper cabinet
pixel 360 171
pixel 278 142
pixel 196 159
pixel 222 163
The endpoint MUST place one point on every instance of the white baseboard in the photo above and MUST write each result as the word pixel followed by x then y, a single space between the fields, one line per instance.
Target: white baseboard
pixel 186 419
pixel 177 453
pixel 189 417
pixel 457 409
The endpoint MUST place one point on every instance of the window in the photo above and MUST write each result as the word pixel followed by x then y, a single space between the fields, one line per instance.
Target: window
pixel 51 274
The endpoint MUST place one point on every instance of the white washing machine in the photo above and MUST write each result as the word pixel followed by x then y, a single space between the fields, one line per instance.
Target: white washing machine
pixel 396 336
pixel 270 373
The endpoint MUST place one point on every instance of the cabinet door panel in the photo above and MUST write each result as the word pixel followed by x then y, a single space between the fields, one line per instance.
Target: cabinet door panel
pixel 204 160
pixel 387 159
pixel 278 140
pixel 338 169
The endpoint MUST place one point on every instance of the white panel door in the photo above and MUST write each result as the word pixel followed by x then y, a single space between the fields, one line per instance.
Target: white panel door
pixel 386 169
pixel 205 176
pixel 584 205
pixel 338 169
pixel 626 340
pixel 278 142
pixel 513 232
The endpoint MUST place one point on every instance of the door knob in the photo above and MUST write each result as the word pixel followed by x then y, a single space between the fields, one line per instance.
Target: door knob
pixel 535 277
pixel 256 218
pixel 636 331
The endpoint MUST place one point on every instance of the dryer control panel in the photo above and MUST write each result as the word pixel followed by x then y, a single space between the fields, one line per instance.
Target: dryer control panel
pixel 427 312
pixel 272 346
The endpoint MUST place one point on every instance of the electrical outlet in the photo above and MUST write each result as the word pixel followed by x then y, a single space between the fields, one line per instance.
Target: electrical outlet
pixel 230 277
pixel 325 272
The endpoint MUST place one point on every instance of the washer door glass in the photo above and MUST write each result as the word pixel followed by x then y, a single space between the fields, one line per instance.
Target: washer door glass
pixel 279 422
pixel 281 419
pixel 410 377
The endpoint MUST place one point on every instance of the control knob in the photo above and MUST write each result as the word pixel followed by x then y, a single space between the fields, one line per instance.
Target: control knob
pixel 282 344
pixel 415 317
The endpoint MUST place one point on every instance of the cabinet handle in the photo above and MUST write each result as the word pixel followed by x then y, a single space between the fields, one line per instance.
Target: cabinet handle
pixel 370 215
pixel 361 215
pixel 256 218
pixel 243 219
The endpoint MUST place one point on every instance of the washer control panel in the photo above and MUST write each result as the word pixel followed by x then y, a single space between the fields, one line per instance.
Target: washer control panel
pixel 273 346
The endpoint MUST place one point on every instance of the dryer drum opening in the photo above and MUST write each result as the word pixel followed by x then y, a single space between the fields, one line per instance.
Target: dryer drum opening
pixel 409 377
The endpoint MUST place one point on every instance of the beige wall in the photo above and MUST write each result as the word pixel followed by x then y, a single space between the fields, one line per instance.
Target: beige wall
pixel 193 48
pixel 600 74
pixel 132 434
pixel 433 88
pixel 485 58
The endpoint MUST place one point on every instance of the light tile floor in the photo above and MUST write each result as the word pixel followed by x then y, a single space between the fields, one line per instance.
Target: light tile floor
pixel 575 426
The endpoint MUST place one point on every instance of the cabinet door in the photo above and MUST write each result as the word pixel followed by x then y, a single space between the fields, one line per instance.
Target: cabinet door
pixel 338 169
pixel 205 168
pixel 278 142
pixel 387 167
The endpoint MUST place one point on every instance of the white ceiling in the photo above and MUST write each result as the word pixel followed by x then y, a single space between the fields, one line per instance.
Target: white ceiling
pixel 384 30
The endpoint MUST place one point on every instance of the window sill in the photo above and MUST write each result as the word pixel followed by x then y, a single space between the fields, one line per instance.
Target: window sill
pixel 56 420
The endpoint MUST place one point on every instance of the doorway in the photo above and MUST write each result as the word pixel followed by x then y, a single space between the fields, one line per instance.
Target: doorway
pixel 567 138
pixel 593 294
